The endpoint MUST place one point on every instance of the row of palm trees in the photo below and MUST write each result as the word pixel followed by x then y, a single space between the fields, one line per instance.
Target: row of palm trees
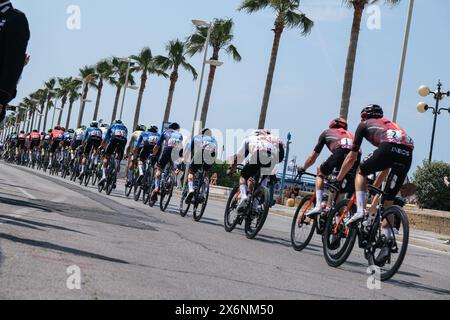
pixel 114 70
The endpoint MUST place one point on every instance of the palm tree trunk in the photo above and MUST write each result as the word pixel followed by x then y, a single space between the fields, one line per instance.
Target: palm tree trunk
pixel 279 27
pixel 137 112
pixel 69 112
pixel 173 82
pixel 40 117
pixel 46 113
pixel 33 116
pixel 83 105
pixel 351 58
pixel 30 114
pixel 97 103
pixel 212 74
pixel 63 103
pixel 116 103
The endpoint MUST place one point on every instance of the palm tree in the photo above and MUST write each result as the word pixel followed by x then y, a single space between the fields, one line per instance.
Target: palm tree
pixel 73 95
pixel 31 107
pixel 50 90
pixel 89 80
pixel 144 63
pixel 287 16
pixel 117 79
pixel 358 6
pixel 176 57
pixel 64 84
pixel 221 38
pixel 40 96
pixel 104 72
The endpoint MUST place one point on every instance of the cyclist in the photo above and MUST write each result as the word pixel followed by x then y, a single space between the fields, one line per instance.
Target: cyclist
pixel 169 146
pixel 20 146
pixel 104 127
pixel 394 151
pixel 35 141
pixel 116 140
pixel 56 137
pixel 263 153
pixel 203 151
pixel 144 148
pixel 77 141
pixel 339 142
pixel 131 151
pixel 91 141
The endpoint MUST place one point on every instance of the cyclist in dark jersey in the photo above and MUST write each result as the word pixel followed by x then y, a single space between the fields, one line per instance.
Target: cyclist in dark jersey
pixel 395 152
pixel 340 142
pixel 35 141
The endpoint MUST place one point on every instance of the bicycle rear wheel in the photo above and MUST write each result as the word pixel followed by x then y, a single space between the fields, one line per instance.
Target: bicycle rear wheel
pixel 338 240
pixel 302 232
pixel 184 207
pixel 197 215
pixel 166 193
pixel 395 238
pixel 257 217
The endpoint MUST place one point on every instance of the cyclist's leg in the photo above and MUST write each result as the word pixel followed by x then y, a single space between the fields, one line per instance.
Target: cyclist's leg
pixel 120 149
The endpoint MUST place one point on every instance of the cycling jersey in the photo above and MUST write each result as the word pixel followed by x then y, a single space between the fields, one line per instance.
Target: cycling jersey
pixel 203 150
pixel 67 136
pixel 35 136
pixel 336 138
pixel 93 133
pixel 134 137
pixel 379 131
pixel 56 135
pixel 79 135
pixel 151 138
pixel 116 131
pixel 171 142
pixel 21 136
pixel 104 130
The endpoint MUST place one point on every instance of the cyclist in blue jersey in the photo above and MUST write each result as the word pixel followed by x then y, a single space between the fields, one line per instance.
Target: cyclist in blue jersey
pixel 115 141
pixel 144 148
pixel 202 149
pixel 170 148
pixel 92 140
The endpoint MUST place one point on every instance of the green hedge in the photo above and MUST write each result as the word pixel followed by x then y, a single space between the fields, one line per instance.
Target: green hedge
pixel 222 179
pixel 432 193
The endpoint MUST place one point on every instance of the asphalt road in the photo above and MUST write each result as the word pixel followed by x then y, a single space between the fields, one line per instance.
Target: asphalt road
pixel 125 250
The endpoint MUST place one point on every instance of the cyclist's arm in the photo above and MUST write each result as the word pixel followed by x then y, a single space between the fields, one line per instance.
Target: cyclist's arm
pixel 311 160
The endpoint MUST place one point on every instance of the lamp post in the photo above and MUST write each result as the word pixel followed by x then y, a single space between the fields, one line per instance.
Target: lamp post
pixel 286 161
pixel 127 77
pixel 423 107
pixel 54 111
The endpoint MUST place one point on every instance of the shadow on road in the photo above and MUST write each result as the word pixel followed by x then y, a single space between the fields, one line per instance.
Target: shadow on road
pixel 38 224
pixel 55 247
pixel 19 224
pixel 21 203
pixel 419 287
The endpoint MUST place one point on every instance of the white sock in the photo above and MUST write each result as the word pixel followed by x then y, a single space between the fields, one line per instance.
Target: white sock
pixel 82 168
pixel 157 183
pixel 104 172
pixel 191 186
pixel 360 201
pixel 319 197
pixel 141 170
pixel 243 189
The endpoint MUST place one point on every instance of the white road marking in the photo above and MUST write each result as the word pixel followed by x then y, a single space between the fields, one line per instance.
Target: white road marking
pixel 29 195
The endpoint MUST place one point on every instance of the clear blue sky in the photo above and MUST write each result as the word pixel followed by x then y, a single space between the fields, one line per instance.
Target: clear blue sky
pixel 308 82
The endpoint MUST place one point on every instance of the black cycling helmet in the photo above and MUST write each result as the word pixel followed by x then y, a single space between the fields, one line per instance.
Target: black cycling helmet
pixel 372 111
pixel 174 126
pixel 94 124
pixel 35 130
pixel 42 133
pixel 58 127
pixel 339 123
pixel 21 131
pixel 71 131
pixel 153 129
pixel 207 132
pixel 140 127
pixel 50 130
pixel 117 122
pixel 104 125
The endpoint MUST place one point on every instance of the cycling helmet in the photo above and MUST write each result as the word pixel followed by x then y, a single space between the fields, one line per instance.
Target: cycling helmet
pixel 141 127
pixel 372 111
pixel 57 128
pixel 339 123
pixel 94 124
pixel 104 125
pixel 117 122
pixel 174 126
pixel 21 131
pixel 153 129
pixel 206 132
pixel 35 130
pixel 42 133
pixel 50 130
pixel 83 127
pixel 261 132
pixel 71 131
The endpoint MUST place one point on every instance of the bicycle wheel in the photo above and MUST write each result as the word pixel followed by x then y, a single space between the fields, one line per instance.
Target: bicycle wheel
pixel 396 222
pixel 184 207
pixel 137 192
pixel 87 178
pixel 129 188
pixel 109 187
pixel 197 215
pixel 166 193
pixel 231 216
pixel 302 232
pixel 338 240
pixel 255 221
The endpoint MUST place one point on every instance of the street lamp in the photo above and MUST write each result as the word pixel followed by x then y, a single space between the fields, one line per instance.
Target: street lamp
pixel 130 64
pixel 423 107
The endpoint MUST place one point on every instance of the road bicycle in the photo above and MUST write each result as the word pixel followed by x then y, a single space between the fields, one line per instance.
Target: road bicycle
pixel 167 186
pixel 111 177
pixel 256 211
pixel 199 199
pixel 371 236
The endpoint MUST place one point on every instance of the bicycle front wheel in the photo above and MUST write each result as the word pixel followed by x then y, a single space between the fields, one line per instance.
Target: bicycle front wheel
pixel 199 214
pixel 258 215
pixel 301 231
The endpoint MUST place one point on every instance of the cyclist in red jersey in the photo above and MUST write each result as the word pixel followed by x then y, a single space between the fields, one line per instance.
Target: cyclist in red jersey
pixel 340 142
pixel 395 152
pixel 55 139
pixel 21 138
pixel 35 140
